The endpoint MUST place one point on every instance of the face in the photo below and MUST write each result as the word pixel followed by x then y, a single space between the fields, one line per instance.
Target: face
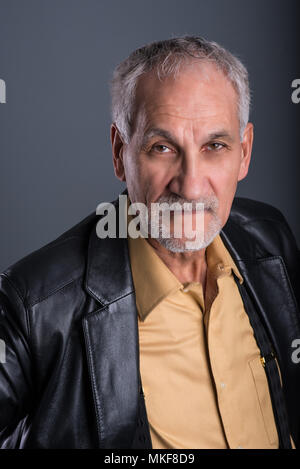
pixel 185 144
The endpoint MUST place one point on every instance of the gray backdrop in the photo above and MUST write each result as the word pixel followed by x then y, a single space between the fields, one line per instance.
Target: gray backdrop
pixel 57 56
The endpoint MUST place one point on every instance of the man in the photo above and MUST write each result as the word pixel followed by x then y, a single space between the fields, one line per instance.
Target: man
pixel 178 341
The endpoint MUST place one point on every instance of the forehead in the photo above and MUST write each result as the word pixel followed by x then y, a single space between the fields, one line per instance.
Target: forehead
pixel 199 93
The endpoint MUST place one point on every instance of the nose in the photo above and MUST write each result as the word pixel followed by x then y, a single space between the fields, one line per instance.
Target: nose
pixel 191 180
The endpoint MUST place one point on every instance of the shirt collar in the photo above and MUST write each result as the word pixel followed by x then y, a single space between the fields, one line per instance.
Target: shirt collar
pixel 154 281
pixel 219 260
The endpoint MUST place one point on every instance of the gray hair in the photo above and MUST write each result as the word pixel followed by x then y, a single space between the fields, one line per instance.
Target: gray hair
pixel 167 57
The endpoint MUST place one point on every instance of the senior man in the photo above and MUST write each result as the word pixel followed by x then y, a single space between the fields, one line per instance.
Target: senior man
pixel 151 341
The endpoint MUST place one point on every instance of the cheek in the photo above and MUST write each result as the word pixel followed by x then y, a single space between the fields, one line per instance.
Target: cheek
pixel 144 180
pixel 134 170
pixel 134 181
pixel 225 184
pixel 153 178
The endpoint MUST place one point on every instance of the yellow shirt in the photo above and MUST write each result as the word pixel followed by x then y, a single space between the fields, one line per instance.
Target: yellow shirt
pixel 202 377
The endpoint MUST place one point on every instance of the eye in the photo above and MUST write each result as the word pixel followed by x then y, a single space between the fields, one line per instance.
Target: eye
pixel 159 148
pixel 216 146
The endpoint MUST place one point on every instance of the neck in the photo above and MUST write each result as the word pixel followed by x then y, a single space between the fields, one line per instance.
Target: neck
pixel 186 266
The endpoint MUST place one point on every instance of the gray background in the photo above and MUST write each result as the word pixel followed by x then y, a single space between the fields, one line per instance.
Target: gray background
pixel 57 56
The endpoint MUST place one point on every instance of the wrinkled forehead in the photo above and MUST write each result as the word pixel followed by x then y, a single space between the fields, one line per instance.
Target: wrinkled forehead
pixel 197 92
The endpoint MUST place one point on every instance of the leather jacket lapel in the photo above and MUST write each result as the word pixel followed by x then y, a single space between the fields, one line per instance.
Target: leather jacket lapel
pixel 268 284
pixel 111 340
pixel 267 281
pixel 111 346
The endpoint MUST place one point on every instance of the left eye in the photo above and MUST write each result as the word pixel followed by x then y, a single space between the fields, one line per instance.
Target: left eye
pixel 215 146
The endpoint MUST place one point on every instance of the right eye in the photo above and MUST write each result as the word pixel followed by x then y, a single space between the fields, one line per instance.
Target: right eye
pixel 161 148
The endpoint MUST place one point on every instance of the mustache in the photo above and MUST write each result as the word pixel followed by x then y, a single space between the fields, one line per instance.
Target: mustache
pixel 210 203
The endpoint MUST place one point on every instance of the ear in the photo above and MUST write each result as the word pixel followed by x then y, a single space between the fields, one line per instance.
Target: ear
pixel 117 151
pixel 246 150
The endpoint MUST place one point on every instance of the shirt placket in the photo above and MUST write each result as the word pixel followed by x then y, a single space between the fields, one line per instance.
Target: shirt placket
pixel 218 362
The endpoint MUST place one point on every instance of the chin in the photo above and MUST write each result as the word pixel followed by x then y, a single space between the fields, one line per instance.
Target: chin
pixel 189 245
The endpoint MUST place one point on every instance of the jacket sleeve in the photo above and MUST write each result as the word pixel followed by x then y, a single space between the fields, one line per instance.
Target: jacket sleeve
pixel 16 392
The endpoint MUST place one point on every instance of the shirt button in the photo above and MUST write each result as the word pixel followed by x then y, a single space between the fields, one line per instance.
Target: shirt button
pixel 223 385
pixel 185 290
pixel 239 447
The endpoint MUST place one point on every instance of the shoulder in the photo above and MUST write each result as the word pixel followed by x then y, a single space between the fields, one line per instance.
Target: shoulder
pixel 264 230
pixel 51 267
pixel 260 219
pixel 246 210
pixel 265 223
pixel 265 227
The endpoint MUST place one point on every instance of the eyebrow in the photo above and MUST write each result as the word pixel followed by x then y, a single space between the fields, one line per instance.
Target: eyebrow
pixel 158 132
pixel 220 134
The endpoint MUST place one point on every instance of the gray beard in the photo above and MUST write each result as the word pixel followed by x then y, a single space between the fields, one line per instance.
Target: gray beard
pixel 178 245
pixel 175 244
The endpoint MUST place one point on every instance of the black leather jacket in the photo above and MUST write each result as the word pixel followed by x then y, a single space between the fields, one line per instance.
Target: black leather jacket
pixel 69 321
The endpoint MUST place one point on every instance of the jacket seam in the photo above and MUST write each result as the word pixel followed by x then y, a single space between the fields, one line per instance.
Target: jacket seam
pixel 267 259
pixel 272 220
pixel 259 260
pixel 56 242
pixel 53 292
pixel 21 298
pixel 27 316
pixel 288 287
pixel 104 306
pixel 97 407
